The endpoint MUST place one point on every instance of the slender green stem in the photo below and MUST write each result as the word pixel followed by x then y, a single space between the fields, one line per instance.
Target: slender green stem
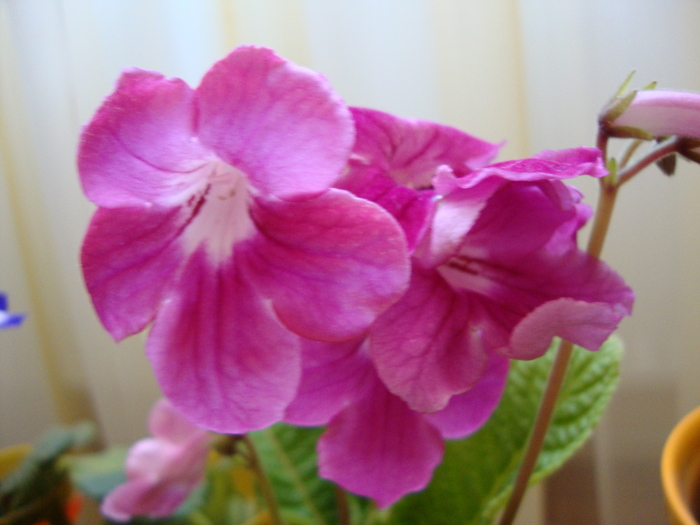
pixel 265 487
pixel 539 431
pixel 602 142
pixel 606 203
pixel 603 215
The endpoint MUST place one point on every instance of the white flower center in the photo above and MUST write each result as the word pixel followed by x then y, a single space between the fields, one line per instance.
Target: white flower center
pixel 220 212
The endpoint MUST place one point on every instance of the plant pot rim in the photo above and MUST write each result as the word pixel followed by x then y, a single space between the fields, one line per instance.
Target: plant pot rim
pixel 682 444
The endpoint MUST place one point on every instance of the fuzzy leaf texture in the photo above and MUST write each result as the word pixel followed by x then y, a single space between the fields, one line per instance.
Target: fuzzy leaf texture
pixel 289 458
pixel 474 480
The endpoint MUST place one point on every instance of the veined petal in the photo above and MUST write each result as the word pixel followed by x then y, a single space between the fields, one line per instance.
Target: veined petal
pixel 663 113
pixel 527 219
pixel 130 257
pixel 539 279
pixel 140 146
pixel 410 150
pixel 585 324
pixel 329 264
pixel 218 352
pixel 278 122
pixel 379 448
pixel 467 412
pixel 413 209
pixel 426 347
pixel 546 165
pixel 334 375
pixel 520 254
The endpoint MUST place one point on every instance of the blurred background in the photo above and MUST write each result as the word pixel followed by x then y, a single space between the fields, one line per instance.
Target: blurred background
pixel 532 72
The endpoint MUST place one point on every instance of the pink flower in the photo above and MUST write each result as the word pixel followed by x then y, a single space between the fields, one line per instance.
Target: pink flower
pixel 375 445
pixel 496 269
pixel 217 223
pixel 161 471
pixel 663 113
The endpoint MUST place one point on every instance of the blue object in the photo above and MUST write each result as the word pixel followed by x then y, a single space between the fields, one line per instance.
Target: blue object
pixel 7 319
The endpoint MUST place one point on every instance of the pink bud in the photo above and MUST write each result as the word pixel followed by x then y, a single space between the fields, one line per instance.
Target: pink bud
pixel 663 113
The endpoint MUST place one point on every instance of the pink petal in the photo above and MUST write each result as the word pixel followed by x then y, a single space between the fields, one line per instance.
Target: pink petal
pixel 188 467
pixel 143 498
pixel 410 150
pixel 412 209
pixel 130 257
pixel 166 423
pixel 139 147
pixel 426 347
pixel 464 199
pixel 507 293
pixel 540 279
pixel 663 113
pixel 454 216
pixel 522 220
pixel 379 448
pixel 585 324
pixel 546 165
pixel 149 458
pixel 279 123
pixel 334 375
pixel 330 264
pixel 467 412
pixel 521 253
pixel 218 352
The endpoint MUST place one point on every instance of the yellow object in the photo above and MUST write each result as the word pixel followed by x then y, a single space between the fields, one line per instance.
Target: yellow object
pixel 11 457
pixel 680 471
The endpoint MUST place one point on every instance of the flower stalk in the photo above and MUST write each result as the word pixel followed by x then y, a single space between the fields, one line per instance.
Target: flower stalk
pixel 609 187
pixel 664 150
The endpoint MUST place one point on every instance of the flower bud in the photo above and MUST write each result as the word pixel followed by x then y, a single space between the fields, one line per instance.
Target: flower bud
pixel 661 113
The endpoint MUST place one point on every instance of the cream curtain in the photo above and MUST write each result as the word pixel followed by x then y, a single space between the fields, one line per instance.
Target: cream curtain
pixel 534 72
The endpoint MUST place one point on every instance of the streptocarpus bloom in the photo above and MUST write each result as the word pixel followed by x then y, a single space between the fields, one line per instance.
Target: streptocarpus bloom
pixel 161 471
pixel 496 268
pixel 375 445
pixel 7 318
pixel 218 224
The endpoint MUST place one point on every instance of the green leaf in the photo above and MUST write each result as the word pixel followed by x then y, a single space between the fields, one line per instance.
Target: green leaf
pixel 477 473
pixel 96 475
pixel 289 459
pixel 288 455
pixel 40 472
